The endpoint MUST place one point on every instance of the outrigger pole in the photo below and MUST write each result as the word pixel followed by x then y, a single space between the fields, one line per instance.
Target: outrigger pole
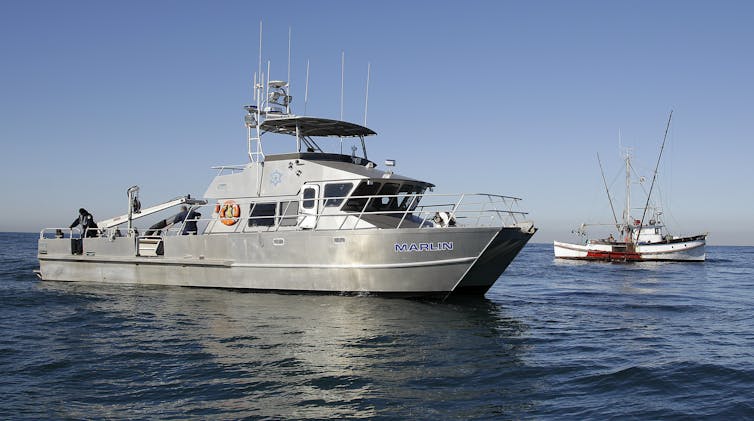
pixel 615 218
pixel 654 176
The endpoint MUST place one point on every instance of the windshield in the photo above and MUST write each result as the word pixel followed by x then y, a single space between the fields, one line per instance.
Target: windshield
pixel 390 197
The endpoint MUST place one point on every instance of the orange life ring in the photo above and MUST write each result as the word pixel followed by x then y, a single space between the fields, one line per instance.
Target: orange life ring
pixel 228 212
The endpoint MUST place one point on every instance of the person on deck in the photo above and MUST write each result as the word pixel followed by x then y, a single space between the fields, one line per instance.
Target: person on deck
pixel 190 217
pixel 86 220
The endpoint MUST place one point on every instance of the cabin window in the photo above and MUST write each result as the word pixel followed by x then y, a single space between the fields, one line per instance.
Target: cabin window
pixel 404 195
pixel 262 214
pixel 309 195
pixel 407 196
pixel 389 189
pixel 357 204
pixel 389 197
pixel 288 212
pixel 337 190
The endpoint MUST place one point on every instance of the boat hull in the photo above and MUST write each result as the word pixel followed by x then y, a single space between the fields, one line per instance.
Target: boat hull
pixel 408 262
pixel 689 249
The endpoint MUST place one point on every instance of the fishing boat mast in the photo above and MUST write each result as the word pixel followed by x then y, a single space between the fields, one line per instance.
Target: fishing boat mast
pixel 627 210
pixel 654 176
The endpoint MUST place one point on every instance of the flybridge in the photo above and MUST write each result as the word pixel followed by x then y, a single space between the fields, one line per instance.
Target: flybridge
pixel 272 115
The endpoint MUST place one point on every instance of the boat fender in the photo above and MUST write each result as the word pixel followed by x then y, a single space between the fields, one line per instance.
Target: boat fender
pixel 229 212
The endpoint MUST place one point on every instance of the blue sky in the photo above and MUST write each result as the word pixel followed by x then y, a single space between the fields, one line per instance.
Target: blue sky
pixel 501 97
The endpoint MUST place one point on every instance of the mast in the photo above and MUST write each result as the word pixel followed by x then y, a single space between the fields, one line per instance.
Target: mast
pixel 654 176
pixel 627 210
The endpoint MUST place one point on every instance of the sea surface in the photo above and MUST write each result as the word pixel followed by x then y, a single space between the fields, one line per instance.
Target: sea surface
pixel 551 340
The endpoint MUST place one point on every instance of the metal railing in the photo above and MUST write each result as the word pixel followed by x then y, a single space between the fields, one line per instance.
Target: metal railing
pixel 467 210
pixel 49 233
pixel 395 211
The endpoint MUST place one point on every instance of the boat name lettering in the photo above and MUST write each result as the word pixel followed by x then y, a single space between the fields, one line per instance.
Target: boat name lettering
pixel 421 247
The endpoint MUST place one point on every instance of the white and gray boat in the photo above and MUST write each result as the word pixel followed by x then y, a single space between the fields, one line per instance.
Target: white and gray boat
pixel 305 221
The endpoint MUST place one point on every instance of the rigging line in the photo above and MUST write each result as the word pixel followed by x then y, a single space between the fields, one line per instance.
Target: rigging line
pixel 607 191
pixel 654 176
pixel 643 188
pixel 638 177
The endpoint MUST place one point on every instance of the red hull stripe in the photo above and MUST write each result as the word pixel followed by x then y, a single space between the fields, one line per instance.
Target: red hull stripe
pixel 613 255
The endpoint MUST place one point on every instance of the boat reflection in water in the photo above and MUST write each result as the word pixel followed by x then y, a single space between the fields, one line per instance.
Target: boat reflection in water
pixel 293 356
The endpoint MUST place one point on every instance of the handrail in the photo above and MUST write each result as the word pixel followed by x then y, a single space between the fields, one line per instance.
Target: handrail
pixel 467 209
pixel 59 232
pixel 462 208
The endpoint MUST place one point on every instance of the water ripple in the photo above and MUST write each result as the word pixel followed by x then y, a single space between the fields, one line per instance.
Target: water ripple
pixel 551 340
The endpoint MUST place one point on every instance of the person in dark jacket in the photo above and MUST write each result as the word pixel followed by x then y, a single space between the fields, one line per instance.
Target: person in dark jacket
pixel 86 220
pixel 190 217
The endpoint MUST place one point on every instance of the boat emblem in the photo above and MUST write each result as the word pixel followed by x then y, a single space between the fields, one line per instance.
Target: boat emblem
pixel 276 178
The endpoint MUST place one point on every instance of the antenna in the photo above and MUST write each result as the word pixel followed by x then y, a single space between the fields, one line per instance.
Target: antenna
pixel 260 53
pixel 288 102
pixel 254 87
pixel 366 100
pixel 306 91
pixel 342 78
pixel 267 87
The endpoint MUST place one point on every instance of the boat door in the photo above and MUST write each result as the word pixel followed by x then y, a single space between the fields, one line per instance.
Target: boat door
pixel 309 206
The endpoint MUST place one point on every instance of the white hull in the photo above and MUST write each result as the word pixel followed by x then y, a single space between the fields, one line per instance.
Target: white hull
pixel 690 249
pixel 641 239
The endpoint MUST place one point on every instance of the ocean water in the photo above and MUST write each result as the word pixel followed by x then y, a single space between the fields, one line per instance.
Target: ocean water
pixel 551 340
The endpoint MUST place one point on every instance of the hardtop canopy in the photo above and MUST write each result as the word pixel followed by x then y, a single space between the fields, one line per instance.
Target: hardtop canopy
pixel 313 126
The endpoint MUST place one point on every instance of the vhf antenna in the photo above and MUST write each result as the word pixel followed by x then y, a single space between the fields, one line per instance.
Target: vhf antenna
pixel 306 90
pixel 342 78
pixel 288 81
pixel 366 100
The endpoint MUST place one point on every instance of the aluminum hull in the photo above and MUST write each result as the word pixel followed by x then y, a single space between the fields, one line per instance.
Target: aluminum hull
pixel 407 262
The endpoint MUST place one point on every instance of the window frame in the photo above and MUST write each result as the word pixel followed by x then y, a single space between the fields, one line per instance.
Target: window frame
pixel 338 199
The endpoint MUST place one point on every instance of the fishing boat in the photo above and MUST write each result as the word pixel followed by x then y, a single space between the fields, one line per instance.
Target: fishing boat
pixel 313 219
pixel 638 239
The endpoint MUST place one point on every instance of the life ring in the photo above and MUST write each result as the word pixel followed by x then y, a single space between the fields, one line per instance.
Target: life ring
pixel 228 212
